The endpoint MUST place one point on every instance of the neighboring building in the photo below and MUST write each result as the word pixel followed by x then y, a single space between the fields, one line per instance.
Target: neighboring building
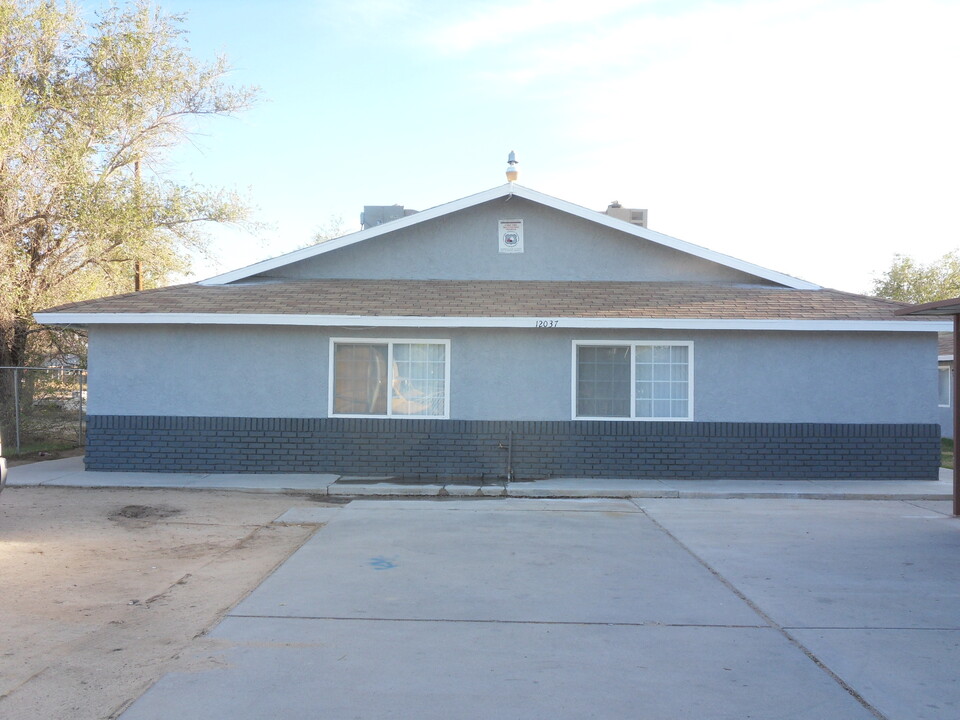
pixel 945 384
pixel 509 333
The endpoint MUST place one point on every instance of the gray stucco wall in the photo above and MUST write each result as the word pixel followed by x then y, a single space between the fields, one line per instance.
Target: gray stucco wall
pixel 515 375
pixel 557 246
pixel 206 370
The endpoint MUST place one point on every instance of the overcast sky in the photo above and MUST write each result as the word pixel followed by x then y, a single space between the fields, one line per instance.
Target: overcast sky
pixel 812 137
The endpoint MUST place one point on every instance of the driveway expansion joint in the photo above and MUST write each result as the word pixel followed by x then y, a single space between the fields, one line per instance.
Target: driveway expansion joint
pixel 773 624
pixel 581 623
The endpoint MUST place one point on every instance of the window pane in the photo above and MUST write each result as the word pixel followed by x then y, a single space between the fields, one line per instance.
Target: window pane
pixel 419 385
pixel 360 379
pixel 944 385
pixel 603 381
pixel 662 381
pixel 644 371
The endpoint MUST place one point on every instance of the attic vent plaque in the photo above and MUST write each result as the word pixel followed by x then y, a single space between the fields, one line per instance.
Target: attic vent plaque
pixel 511 236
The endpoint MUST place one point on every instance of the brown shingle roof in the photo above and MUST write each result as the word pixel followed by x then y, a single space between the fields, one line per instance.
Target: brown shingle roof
pixel 443 298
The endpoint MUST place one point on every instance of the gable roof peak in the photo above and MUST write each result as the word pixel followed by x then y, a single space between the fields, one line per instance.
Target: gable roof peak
pixel 507 191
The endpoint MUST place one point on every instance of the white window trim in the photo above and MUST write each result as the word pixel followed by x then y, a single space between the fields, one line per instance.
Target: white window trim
pixel 633 372
pixel 389 342
pixel 949 369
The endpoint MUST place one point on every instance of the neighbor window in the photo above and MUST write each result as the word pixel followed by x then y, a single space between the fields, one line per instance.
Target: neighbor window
pixel 388 378
pixel 944 378
pixel 639 381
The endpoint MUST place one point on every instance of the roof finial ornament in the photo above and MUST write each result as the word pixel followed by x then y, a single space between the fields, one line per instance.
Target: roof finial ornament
pixel 512 170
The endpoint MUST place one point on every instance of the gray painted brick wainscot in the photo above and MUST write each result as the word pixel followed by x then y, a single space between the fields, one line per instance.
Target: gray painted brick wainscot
pixel 445 449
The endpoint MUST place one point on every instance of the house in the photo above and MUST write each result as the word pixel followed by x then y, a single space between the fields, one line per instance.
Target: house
pixel 509 334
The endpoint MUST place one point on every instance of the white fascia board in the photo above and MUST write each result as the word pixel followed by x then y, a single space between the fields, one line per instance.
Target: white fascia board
pixel 944 358
pixel 506 191
pixel 540 323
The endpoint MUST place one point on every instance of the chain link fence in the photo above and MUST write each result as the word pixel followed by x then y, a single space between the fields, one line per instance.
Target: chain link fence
pixel 42 408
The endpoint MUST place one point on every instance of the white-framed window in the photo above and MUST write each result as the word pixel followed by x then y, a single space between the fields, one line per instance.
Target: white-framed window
pixel 945 385
pixel 389 378
pixel 632 380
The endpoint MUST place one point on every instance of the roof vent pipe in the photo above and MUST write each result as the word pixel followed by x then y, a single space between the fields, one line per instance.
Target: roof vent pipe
pixel 512 171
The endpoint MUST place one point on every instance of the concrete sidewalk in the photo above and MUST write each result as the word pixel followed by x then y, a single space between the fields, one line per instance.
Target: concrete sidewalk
pixel 70 472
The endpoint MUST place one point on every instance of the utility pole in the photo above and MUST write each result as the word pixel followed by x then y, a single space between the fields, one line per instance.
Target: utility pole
pixel 137 267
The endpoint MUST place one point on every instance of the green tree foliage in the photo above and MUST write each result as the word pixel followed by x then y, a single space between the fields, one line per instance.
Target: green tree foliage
pixel 87 114
pixel 911 282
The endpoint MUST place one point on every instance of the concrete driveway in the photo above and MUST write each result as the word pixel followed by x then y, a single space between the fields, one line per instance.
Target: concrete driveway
pixel 594 609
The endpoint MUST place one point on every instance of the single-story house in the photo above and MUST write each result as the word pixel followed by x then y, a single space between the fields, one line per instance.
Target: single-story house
pixel 509 334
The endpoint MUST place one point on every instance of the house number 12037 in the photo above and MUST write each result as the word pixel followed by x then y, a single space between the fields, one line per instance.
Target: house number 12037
pixel 547 323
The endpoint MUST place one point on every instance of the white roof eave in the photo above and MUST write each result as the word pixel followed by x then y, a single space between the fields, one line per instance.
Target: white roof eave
pixel 506 191
pixel 542 324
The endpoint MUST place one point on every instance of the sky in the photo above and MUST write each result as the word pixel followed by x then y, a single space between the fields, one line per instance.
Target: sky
pixel 817 138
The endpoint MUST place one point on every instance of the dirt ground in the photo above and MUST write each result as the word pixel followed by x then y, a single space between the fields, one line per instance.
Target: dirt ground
pixel 100 590
pixel 42 455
